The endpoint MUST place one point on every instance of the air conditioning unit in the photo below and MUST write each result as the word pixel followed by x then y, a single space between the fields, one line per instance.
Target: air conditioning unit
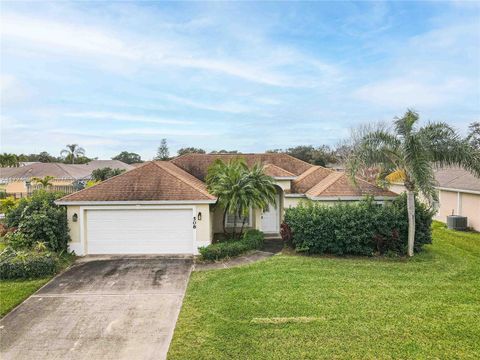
pixel 457 222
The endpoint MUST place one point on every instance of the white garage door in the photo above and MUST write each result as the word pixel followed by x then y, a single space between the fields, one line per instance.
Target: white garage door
pixel 140 231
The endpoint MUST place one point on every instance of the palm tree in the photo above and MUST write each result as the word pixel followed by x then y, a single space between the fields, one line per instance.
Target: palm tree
pixel 45 181
pixel 73 151
pixel 239 189
pixel 409 154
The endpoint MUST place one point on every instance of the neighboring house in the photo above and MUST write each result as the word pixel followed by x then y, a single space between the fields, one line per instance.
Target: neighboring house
pixel 458 194
pixel 18 180
pixel 165 207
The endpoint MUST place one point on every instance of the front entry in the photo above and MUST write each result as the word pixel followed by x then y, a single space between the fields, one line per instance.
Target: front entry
pixel 271 218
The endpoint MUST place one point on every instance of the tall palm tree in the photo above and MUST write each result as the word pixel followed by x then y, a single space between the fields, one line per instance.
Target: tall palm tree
pixel 45 181
pixel 409 154
pixel 239 189
pixel 72 151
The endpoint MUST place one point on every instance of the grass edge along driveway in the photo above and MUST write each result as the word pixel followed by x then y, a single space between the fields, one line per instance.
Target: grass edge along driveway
pixel 320 307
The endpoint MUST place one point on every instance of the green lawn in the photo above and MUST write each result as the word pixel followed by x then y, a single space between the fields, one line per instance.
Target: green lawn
pixel 13 292
pixel 295 307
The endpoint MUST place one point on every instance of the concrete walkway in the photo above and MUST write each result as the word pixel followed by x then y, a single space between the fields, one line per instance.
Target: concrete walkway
pixel 112 308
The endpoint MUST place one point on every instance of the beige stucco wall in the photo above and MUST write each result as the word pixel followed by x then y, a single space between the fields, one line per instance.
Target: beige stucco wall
pixel 74 226
pixel 289 202
pixel 284 184
pixel 459 203
pixel 471 209
pixel 204 229
pixel 16 187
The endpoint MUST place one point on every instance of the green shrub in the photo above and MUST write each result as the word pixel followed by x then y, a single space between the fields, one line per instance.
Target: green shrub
pixel 39 219
pixel 252 239
pixel 17 240
pixel 27 264
pixel 363 228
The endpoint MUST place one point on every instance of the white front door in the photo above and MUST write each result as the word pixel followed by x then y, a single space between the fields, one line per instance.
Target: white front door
pixel 271 218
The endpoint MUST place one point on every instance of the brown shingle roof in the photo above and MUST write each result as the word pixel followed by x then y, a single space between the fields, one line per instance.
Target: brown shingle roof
pixel 197 164
pixel 60 170
pixel 275 171
pixel 153 181
pixel 309 179
pixel 342 186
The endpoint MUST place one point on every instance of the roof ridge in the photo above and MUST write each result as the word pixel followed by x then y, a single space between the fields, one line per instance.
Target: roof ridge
pixel 178 176
pixel 278 167
pixel 64 170
pixel 325 183
pixel 307 172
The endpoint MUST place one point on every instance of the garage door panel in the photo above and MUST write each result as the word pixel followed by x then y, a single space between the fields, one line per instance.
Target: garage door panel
pixel 139 231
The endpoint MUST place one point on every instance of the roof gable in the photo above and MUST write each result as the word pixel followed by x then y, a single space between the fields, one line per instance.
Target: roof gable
pixel 153 181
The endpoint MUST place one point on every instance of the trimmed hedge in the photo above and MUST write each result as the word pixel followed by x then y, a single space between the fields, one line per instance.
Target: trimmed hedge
pixel 27 264
pixel 363 228
pixel 252 239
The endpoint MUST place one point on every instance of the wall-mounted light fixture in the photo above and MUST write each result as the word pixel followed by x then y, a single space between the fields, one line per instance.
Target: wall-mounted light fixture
pixel 199 216
pixel 75 218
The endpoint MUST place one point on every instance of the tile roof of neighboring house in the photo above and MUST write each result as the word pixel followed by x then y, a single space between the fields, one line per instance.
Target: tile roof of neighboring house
pixel 275 171
pixel 457 178
pixel 153 181
pixel 197 164
pixel 59 170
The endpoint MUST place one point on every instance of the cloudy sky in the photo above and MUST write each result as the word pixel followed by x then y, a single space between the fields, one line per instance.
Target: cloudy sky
pixel 246 76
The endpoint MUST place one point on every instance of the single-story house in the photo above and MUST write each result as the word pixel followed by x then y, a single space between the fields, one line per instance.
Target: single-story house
pixel 458 194
pixel 18 180
pixel 165 207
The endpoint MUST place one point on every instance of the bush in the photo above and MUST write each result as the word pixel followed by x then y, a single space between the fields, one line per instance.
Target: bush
pixel 39 219
pixel 27 264
pixel 17 240
pixel 363 228
pixel 252 239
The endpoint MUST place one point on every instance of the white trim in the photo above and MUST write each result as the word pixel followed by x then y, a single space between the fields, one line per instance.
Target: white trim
pixel 350 198
pixel 294 195
pixel 284 177
pixel 458 190
pixel 135 202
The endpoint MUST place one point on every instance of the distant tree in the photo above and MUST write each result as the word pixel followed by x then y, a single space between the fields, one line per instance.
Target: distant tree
pixel 72 152
pixel 45 157
pixel 321 155
pixel 105 173
pixel 190 150
pixel 128 157
pixel 162 152
pixel 45 181
pixel 474 134
pixel 9 160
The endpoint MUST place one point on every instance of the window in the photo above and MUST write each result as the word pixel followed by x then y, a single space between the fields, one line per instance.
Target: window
pixel 231 219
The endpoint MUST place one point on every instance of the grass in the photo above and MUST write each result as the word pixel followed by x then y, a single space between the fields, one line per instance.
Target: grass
pixel 13 292
pixel 297 307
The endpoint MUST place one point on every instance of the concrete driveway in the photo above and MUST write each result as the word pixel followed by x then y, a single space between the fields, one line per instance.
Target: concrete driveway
pixel 114 308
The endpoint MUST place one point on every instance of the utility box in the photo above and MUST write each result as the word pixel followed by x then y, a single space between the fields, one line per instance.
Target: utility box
pixel 457 222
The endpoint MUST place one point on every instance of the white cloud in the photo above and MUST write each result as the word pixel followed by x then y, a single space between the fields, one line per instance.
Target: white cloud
pixel 126 117
pixel 12 91
pixel 58 37
pixel 410 92
pixel 161 132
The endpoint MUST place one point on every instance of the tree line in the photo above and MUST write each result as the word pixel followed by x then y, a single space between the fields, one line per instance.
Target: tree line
pixel 322 155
